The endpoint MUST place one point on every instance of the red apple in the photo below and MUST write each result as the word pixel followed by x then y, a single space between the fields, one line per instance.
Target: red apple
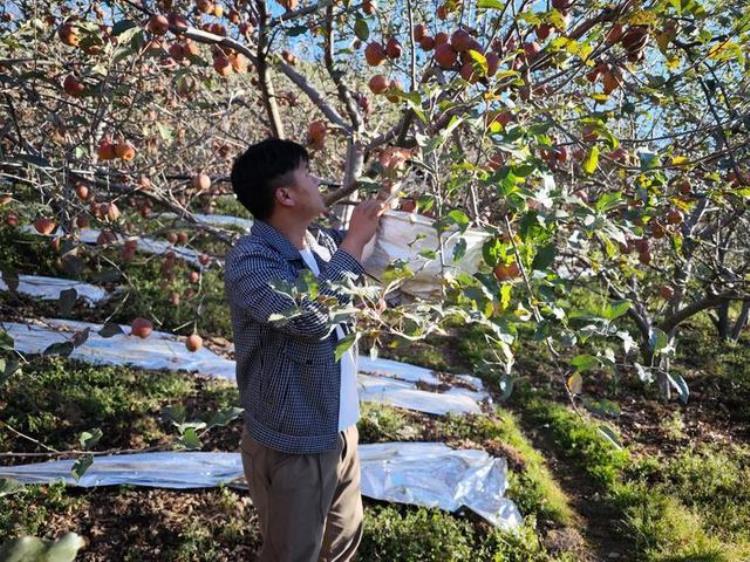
pixel 505 272
pixel 44 226
pixel 194 342
pixel 374 53
pixel 141 327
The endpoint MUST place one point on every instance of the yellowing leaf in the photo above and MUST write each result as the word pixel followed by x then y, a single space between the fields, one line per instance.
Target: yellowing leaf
pixel 642 17
pixel 505 291
pixel 592 160
pixel 557 19
pixel 585 51
pixel 478 59
pixel 679 160
pixel 575 383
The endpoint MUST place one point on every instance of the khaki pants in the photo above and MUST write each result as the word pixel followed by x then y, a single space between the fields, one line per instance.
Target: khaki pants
pixel 309 506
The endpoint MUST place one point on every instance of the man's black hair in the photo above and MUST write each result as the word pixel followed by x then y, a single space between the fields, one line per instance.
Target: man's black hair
pixel 261 169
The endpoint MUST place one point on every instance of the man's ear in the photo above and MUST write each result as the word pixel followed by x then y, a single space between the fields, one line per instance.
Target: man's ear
pixel 284 196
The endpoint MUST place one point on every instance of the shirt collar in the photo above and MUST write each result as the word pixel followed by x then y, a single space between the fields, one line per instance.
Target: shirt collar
pixel 280 242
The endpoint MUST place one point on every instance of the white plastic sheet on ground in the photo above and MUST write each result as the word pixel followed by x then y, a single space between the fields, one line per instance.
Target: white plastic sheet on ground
pixel 48 288
pixel 385 390
pixel 146 245
pixel 217 220
pixel 404 235
pixel 403 371
pixel 394 385
pixel 158 351
pixel 425 474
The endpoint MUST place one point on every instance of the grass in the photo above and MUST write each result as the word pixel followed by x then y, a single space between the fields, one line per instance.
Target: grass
pixel 692 507
pixel 417 534
pixel 132 524
pixel 55 400
pixel 531 484
pixel 693 504
pixel 29 511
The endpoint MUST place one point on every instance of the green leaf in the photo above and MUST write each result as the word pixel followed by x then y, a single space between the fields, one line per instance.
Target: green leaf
pixel 657 340
pixel 110 329
pixel 64 349
pixel 490 5
pixel 608 201
pixel 460 218
pixel 609 434
pixel 24 549
pixel 614 310
pixel 8 369
pixel 296 30
pixel 584 362
pixel 459 250
pixel 602 407
pixel 428 254
pixel 648 160
pixel 189 439
pixel 492 251
pixel 175 413
pixel 544 257
pixel 137 41
pixel 90 439
pixel 592 160
pixel 67 300
pixel 9 486
pixel 6 341
pixel 506 387
pixel 395 271
pixel 681 386
pixel 282 318
pixel 478 60
pixel 65 549
pixel 308 284
pixel 505 293
pixel 123 25
pixel 361 30
pixel 81 466
pixel 343 345
pixel 225 416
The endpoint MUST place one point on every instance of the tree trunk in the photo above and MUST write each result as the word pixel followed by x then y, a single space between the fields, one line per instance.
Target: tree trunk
pixel 355 158
pixel 741 321
pixel 722 322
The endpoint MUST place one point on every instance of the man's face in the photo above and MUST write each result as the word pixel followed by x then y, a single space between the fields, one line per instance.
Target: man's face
pixel 306 192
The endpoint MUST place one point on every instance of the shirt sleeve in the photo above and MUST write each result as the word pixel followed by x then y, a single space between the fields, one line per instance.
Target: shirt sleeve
pixel 249 274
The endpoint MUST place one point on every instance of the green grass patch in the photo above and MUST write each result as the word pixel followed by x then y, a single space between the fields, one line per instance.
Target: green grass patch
pixel 692 507
pixel 407 533
pixel 580 440
pixel 55 399
pixel 378 423
pixel 29 510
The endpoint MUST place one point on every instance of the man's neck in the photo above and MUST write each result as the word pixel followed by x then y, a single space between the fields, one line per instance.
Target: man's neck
pixel 293 229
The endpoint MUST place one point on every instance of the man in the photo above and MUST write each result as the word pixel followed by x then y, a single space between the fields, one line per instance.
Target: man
pixel 299 442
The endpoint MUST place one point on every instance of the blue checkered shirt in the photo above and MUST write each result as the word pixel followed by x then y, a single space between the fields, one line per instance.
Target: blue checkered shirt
pixel 288 380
